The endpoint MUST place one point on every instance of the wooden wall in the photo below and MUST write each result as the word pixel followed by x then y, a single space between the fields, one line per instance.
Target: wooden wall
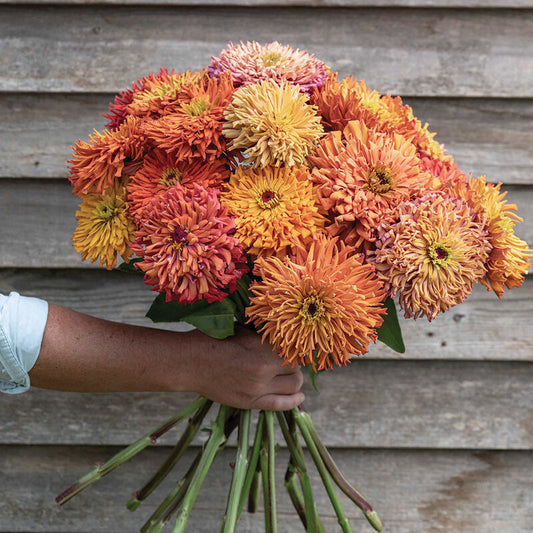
pixel 440 438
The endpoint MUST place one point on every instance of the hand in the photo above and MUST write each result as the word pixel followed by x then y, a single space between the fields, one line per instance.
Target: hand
pixel 242 372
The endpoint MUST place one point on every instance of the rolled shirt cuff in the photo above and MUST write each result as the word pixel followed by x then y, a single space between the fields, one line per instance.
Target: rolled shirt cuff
pixel 22 323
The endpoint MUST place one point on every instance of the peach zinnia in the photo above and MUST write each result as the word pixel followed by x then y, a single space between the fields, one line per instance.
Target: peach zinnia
pixel 273 124
pixel 188 250
pixel 319 308
pixel 431 255
pixel 362 176
pixel 253 62
pixel 275 208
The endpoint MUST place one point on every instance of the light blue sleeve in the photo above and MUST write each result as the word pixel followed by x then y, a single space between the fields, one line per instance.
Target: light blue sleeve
pixel 22 323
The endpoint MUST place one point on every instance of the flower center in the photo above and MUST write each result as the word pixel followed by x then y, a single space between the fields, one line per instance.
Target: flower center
pixel 106 210
pixel 268 199
pixel 179 238
pixel 439 254
pixel 270 59
pixel 380 180
pixel 196 106
pixel 170 177
pixel 312 309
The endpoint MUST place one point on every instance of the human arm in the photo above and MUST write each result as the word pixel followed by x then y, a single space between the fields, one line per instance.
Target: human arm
pixel 86 354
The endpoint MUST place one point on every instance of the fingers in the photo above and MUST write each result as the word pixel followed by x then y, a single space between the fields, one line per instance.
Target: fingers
pixel 286 384
pixel 279 402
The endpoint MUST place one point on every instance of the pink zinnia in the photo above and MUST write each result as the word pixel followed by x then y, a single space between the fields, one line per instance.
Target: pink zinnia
pixel 253 62
pixel 186 241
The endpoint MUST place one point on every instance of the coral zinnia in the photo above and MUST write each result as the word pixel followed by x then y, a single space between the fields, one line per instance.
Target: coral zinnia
pixel 186 241
pixel 160 171
pixel 253 62
pixel 194 128
pixel 275 208
pixel 362 176
pixel 318 308
pixel 98 164
pixel 432 254
pixel 272 123
pixel 104 227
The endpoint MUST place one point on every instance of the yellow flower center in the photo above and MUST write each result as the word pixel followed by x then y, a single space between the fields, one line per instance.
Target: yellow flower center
pixel 106 210
pixel 439 254
pixel 380 180
pixel 270 59
pixel 196 106
pixel 268 199
pixel 313 309
pixel 170 177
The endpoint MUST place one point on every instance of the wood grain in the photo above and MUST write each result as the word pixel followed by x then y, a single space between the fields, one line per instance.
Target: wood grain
pixel 485 136
pixel 370 404
pixel 481 328
pixel 37 218
pixel 433 491
pixel 471 53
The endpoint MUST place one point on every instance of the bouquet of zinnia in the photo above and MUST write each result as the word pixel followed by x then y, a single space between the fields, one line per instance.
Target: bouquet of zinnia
pixel 265 190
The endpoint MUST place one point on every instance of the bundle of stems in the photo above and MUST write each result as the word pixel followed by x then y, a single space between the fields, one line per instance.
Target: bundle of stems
pixel 253 469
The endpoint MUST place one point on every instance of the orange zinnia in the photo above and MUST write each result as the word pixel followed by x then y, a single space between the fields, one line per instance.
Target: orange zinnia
pixel 275 208
pixel 97 165
pixel 194 129
pixel 319 308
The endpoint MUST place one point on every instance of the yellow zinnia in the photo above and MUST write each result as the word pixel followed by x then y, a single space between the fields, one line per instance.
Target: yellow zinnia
pixel 275 208
pixel 105 227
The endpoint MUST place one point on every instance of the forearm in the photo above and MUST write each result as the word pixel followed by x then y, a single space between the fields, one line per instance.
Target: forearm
pixel 86 354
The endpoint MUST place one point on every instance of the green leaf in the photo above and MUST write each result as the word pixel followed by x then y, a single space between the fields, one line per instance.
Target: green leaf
pixel 163 311
pixel 215 320
pixel 130 267
pixel 390 332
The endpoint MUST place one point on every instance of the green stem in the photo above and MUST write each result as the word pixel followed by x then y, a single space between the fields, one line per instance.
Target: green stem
pixel 268 452
pixel 127 453
pixel 297 460
pixel 255 489
pixel 179 449
pixel 167 507
pixel 294 493
pixel 322 470
pixel 216 441
pixel 239 473
pixel 339 479
pixel 252 464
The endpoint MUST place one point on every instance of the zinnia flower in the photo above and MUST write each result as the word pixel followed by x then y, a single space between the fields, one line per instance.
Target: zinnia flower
pixel 97 165
pixel 431 255
pixel 105 227
pixel 362 177
pixel 275 208
pixel 160 171
pixel 186 241
pixel 318 308
pixel 253 62
pixel 272 123
pixel 194 129
pixel 162 94
pixel 508 260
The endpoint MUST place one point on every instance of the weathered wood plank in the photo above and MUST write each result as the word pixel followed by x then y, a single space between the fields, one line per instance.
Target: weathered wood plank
pixel 492 137
pixel 85 49
pixel 437 491
pixel 469 4
pixel 481 328
pixel 37 221
pixel 370 404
